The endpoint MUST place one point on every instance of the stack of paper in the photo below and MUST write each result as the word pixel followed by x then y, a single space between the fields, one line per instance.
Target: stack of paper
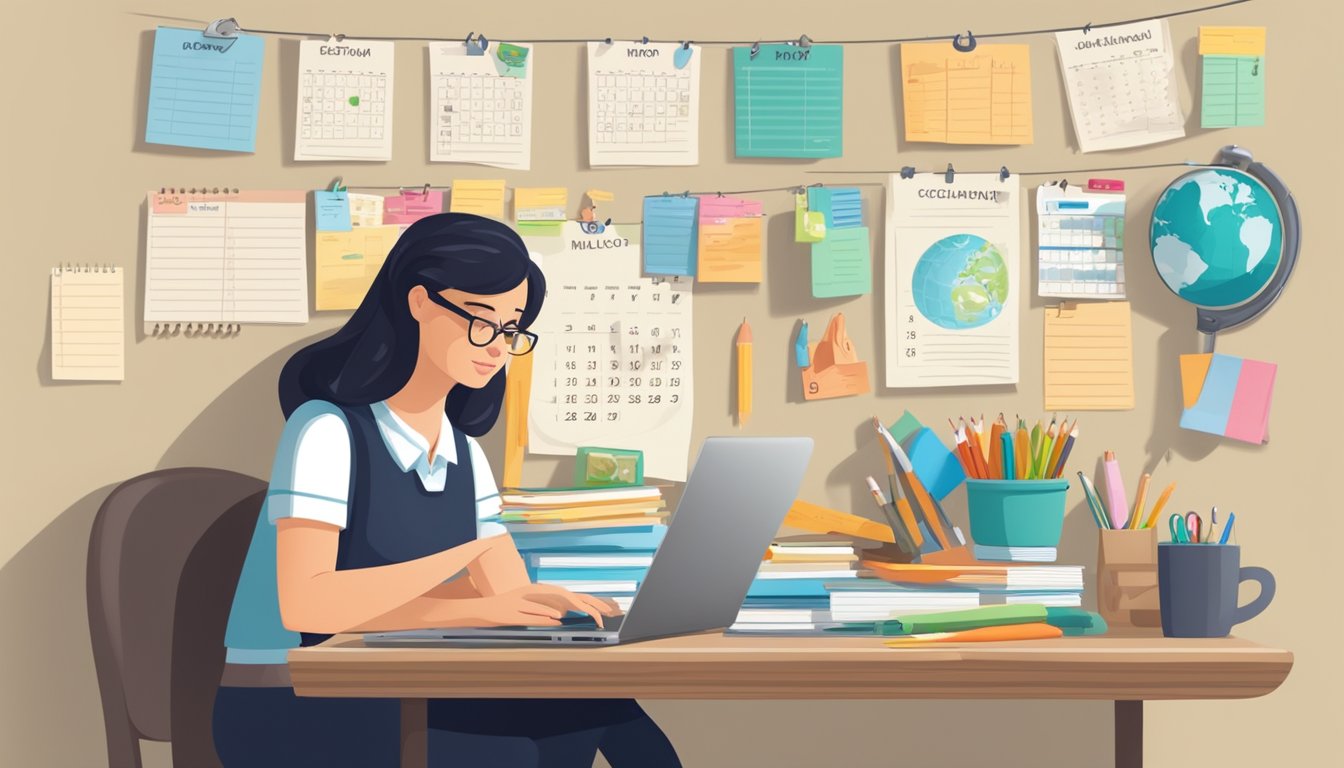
pixel 885 588
pixel 788 594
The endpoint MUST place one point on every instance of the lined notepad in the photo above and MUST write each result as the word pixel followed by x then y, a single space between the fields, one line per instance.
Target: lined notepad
pixel 977 97
pixel 88 332
pixel 787 100
pixel 670 236
pixel 348 261
pixel 842 264
pixel 227 257
pixel 1232 92
pixel 730 240
pixel 1089 357
pixel 203 91
pixel 483 197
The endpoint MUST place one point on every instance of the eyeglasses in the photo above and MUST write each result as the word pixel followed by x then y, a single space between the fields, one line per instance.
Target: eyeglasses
pixel 482 332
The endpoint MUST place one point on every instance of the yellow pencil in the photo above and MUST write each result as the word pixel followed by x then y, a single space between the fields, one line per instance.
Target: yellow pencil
pixel 1138 502
pixel 743 372
pixel 1157 508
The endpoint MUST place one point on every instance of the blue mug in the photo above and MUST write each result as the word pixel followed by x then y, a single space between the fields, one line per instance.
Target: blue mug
pixel 1197 589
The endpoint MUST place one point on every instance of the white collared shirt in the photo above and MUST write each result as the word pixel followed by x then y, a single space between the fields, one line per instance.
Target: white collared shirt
pixel 310 479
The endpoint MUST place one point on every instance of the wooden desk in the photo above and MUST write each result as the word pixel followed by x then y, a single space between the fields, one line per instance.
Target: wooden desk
pixel 1123 669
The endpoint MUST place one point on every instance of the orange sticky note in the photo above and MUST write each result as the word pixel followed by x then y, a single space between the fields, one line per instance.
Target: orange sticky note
pixel 1194 368
pixel 978 97
pixel 730 240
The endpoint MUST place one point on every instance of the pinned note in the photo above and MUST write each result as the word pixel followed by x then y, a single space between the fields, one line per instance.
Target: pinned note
pixel 809 226
pixel 1233 89
pixel 841 207
pixel 347 263
pixel 540 203
pixel 981 96
pixel 835 370
pixel 365 210
pixel 331 210
pixel 203 91
pixel 1089 357
pixel 842 264
pixel 1227 396
pixel 787 100
pixel 670 235
pixel 411 206
pixel 483 197
pixel 730 240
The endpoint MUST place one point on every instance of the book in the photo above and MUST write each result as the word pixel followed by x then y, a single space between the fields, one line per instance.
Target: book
pixel 998 574
pixel 553 574
pixel 1016 554
pixel 570 514
pixel 644 538
pixel 560 497
pixel 590 560
pixel 636 521
pixel 830 573
pixel 954 621
pixel 594 587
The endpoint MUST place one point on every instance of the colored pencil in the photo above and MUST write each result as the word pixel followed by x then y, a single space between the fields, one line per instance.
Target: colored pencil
pixel 1094 502
pixel 996 449
pixel 1157 508
pixel 977 452
pixel 1009 472
pixel 1064 454
pixel 1142 495
pixel 1021 446
pixel 743 372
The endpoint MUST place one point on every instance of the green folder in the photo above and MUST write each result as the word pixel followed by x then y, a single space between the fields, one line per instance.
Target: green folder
pixel 1074 621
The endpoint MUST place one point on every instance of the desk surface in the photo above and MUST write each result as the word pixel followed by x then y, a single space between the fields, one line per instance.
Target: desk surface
pixel 712 666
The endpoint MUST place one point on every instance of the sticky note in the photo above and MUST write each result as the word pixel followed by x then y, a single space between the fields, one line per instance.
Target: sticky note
pixel 203 91
pixel 1231 41
pixel 1089 357
pixel 412 206
pixel 332 210
pixel 842 207
pixel 483 197
pixel 787 101
pixel 365 210
pixel 1227 396
pixel 1210 412
pixel 842 264
pixel 730 240
pixel 347 263
pixel 540 203
pixel 977 97
pixel 808 226
pixel 1232 91
pixel 540 228
pixel 600 196
pixel 935 464
pixel 905 426
pixel 670 235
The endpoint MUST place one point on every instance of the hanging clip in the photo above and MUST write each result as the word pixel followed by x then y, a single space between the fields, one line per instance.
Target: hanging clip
pixel 804 41
pixel 1003 173
pixel 967 46
pixel 606 40
pixel 755 48
pixel 1087 27
pixel 425 192
pixel 718 195
pixel 949 174
pixel 907 172
pixel 644 40
pixel 1064 185
pixel 337 36
pixel 682 56
pixel 686 45
pixel 476 47
pixel 222 28
pixel 337 186
pixel 686 194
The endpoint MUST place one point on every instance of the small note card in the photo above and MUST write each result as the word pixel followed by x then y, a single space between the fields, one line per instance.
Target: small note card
pixel 1089 357
pixel 88 330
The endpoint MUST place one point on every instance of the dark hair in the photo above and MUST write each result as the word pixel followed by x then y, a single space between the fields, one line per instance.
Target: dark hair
pixel 372 356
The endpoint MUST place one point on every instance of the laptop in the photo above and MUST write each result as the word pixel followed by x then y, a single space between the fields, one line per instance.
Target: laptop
pixel 738 493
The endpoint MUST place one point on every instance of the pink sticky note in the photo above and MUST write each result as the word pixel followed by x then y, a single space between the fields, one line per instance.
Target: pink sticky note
pixel 1250 405
pixel 715 207
pixel 410 207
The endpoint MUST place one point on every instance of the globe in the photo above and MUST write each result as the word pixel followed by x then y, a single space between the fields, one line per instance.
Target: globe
pixel 960 282
pixel 1216 237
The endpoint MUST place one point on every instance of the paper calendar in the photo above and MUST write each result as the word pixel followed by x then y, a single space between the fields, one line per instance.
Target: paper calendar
pixel 643 104
pixel 1080 243
pixel 345 100
pixel 613 360
pixel 951 294
pixel 481 109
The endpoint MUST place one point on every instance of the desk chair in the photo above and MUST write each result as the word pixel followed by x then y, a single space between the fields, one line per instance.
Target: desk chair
pixel 164 559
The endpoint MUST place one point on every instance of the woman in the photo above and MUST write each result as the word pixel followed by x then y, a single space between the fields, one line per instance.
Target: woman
pixel 374 507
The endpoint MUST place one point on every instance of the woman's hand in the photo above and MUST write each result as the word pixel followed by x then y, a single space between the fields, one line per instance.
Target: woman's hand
pixel 540 605
pixel 564 600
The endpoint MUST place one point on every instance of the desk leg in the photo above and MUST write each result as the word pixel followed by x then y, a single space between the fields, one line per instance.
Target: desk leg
pixel 1128 734
pixel 415 733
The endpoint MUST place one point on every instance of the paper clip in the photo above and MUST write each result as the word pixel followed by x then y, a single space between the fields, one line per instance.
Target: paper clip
pixel 337 186
pixel 949 174
pixel 967 46
pixel 1003 173
pixel 907 172
pixel 222 28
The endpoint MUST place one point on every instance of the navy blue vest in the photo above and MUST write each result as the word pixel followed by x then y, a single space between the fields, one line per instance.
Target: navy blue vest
pixel 391 518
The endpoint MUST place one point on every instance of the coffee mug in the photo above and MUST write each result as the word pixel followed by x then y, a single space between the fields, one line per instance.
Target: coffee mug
pixel 1197 589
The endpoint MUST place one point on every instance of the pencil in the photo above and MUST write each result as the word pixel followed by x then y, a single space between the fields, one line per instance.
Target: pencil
pixel 1052 463
pixel 1157 508
pixel 1021 446
pixel 1064 454
pixel 1138 501
pixel 1047 448
pixel 963 450
pixel 743 372
pixel 1035 450
pixel 996 450
pixel 977 452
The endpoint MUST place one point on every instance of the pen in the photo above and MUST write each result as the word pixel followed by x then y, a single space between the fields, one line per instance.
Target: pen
pixel 899 532
pixel 1157 508
pixel 1094 502
pixel 1227 529
pixel 1137 514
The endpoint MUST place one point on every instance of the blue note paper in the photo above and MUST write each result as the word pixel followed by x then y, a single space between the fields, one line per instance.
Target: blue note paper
pixel 203 91
pixel 842 264
pixel 788 101
pixel 670 235
pixel 934 463
pixel 1211 412
pixel 332 210
pixel 842 206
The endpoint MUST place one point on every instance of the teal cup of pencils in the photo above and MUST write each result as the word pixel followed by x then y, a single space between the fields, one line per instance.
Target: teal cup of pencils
pixel 1016 520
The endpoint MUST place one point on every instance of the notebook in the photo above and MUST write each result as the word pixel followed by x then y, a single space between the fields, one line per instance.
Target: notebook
pixel 224 257
pixel 88 332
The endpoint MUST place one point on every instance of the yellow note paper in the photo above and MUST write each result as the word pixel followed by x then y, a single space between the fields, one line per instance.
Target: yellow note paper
pixel 1231 41
pixel 540 203
pixel 347 263
pixel 88 324
pixel 980 97
pixel 1089 357
pixel 600 196
pixel 483 197
pixel 730 240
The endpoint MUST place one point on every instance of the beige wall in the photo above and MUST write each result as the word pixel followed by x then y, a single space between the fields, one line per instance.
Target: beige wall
pixel 78 169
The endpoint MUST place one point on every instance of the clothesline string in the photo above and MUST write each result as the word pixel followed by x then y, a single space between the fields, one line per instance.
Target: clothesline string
pixel 439 38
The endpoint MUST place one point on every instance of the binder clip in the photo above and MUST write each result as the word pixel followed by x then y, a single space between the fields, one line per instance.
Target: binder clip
pixel 967 46
pixel 1003 173
pixel 907 172
pixel 949 174
pixel 222 28
pixel 477 46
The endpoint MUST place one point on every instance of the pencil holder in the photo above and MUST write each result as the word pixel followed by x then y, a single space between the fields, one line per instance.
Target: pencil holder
pixel 1016 519
pixel 1127 593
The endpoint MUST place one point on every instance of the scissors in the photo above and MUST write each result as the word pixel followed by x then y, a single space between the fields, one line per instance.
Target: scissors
pixel 1185 529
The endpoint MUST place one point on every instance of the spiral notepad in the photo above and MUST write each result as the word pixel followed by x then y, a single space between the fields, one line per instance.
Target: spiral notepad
pixel 217 257
pixel 88 331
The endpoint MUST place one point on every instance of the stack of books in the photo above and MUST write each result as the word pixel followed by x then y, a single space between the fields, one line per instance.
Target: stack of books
pixel 598 541
pixel 888 589
pixel 790 592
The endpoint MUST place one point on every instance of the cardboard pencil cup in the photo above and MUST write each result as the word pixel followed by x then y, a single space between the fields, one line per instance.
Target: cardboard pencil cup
pixel 1127 594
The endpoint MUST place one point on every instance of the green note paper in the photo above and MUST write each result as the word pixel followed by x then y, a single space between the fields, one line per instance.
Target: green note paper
pixel 1233 91
pixel 842 264
pixel 787 100
pixel 956 621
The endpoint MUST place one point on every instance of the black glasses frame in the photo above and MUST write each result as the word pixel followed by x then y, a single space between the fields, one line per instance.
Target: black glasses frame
pixel 510 334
